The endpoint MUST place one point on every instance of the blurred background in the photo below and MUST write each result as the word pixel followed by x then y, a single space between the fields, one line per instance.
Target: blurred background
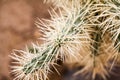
pixel 17 29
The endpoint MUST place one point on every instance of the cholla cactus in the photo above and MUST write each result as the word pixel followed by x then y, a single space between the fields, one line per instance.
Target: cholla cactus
pixel 83 31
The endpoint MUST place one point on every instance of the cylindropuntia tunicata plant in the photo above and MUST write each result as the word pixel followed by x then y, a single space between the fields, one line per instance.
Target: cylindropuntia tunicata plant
pixel 82 31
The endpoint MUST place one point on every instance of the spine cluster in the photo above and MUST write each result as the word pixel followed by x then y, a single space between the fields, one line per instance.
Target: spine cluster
pixel 82 31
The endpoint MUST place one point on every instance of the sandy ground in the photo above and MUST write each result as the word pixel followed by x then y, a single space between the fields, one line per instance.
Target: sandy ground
pixel 17 29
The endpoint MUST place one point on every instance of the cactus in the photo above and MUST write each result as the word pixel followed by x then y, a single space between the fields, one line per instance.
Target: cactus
pixel 82 31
